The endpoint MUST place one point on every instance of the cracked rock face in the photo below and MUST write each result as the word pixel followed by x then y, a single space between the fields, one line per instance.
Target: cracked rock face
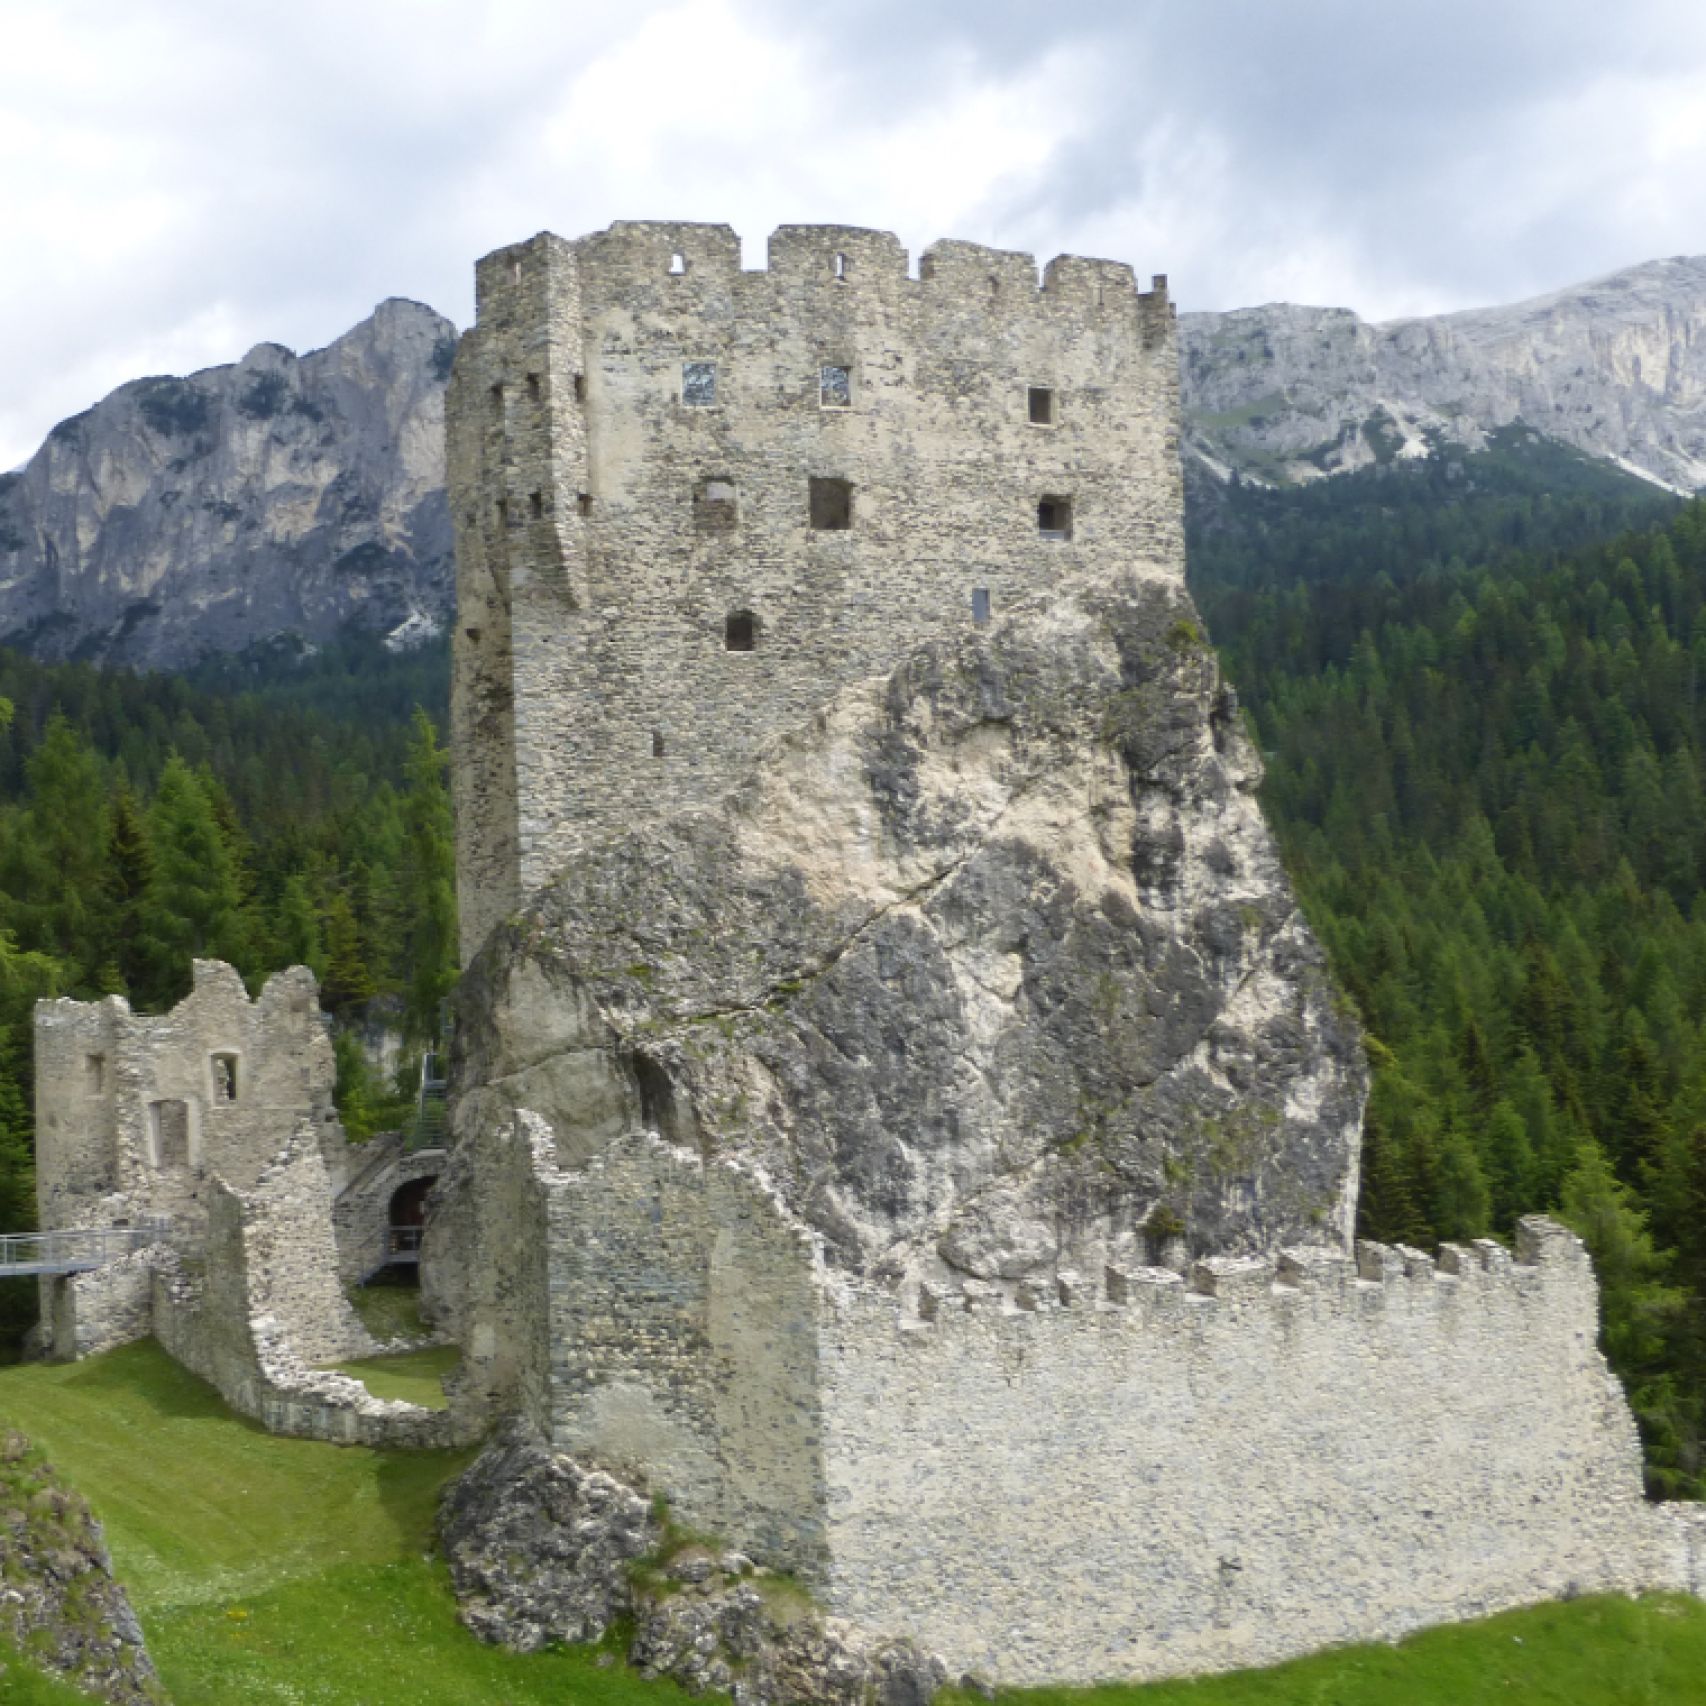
pixel 59 1600
pixel 992 972
pixel 278 495
pixel 543 1550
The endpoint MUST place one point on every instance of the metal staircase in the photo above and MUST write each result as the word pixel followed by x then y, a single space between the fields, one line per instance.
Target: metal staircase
pixel 427 1130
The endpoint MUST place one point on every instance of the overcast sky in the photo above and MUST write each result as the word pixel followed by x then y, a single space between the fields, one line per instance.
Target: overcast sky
pixel 180 179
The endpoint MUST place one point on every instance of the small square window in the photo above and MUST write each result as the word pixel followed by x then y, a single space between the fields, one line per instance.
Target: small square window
pixel 699 384
pixel 715 509
pixel 831 506
pixel 1042 405
pixel 740 631
pixel 834 387
pixel 1054 517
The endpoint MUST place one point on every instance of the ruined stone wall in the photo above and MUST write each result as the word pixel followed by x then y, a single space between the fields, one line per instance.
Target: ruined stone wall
pixel 485 1276
pixel 261 1307
pixel 1161 1480
pixel 290 1258
pixel 684 1345
pixel 134 1112
pixel 85 1314
pixel 361 1215
pixel 612 514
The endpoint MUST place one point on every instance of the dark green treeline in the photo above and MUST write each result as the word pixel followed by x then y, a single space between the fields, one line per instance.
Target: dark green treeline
pixel 1487 768
pixel 145 820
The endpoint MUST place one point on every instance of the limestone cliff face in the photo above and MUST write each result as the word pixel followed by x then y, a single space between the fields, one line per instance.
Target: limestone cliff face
pixel 1616 367
pixel 992 971
pixel 280 495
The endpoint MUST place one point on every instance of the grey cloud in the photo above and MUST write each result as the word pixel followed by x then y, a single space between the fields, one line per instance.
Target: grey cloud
pixel 310 159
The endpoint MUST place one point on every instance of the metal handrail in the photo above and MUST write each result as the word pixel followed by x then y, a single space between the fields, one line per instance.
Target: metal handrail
pixel 403 1240
pixel 74 1250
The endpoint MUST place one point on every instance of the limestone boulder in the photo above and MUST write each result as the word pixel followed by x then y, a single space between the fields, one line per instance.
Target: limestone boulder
pixel 993 968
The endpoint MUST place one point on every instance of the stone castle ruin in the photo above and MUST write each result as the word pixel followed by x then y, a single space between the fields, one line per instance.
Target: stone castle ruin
pixel 210 1134
pixel 899 1115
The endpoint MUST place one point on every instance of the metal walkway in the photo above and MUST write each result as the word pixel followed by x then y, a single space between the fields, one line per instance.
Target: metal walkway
pixel 72 1252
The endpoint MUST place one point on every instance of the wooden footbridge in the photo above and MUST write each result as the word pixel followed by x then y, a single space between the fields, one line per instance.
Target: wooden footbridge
pixel 72 1252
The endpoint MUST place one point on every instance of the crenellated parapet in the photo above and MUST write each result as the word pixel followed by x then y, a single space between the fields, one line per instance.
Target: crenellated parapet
pixel 692 500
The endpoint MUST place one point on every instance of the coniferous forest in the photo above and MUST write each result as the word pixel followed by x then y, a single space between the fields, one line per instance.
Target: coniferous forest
pixel 271 813
pixel 1479 685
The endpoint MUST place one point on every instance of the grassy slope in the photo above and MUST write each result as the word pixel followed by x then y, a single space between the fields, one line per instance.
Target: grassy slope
pixel 270 1570
pixel 273 1570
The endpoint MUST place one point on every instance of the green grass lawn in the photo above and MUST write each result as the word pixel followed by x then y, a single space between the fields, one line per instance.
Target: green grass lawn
pixel 417 1377
pixel 276 1570
pixel 1591 1652
pixel 389 1309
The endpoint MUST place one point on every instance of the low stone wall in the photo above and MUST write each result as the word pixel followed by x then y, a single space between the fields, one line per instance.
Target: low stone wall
pixel 256 1372
pixel 1173 1477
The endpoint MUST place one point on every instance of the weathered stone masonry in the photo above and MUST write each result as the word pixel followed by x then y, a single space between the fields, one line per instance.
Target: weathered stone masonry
pixel 877 960
pixel 635 425
pixel 216 1120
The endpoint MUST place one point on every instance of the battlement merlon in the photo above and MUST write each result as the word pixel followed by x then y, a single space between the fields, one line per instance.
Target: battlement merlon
pixel 693 501
pixel 637 251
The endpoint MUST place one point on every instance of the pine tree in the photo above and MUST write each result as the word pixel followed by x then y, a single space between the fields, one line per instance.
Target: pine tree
pixel 193 903
pixel 349 981
pixel 126 880
pixel 428 885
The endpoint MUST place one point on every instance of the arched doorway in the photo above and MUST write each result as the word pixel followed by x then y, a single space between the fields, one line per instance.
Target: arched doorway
pixel 406 1221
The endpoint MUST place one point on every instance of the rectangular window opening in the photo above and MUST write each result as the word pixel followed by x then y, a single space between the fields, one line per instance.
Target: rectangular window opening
pixel 740 631
pixel 834 386
pixel 533 387
pixel 699 384
pixel 169 1126
pixel 95 1073
pixel 536 504
pixel 498 400
pixel 1054 517
pixel 584 503
pixel 831 505
pixel 714 507
pixel 980 606
pixel 224 1077
pixel 657 743
pixel 580 387
pixel 1042 405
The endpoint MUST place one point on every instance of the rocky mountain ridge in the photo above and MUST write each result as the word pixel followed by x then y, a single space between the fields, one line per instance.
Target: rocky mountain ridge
pixel 1615 367
pixel 287 495
pixel 280 495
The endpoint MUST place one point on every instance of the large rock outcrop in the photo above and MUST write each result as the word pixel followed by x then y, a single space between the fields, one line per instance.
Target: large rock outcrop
pixel 59 1600
pixel 992 971
pixel 280 495
pixel 542 1550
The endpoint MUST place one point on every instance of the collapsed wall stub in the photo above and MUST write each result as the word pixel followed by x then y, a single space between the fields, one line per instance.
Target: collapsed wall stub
pixel 691 501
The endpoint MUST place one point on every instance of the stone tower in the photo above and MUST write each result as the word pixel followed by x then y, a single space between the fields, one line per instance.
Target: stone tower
pixel 692 501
